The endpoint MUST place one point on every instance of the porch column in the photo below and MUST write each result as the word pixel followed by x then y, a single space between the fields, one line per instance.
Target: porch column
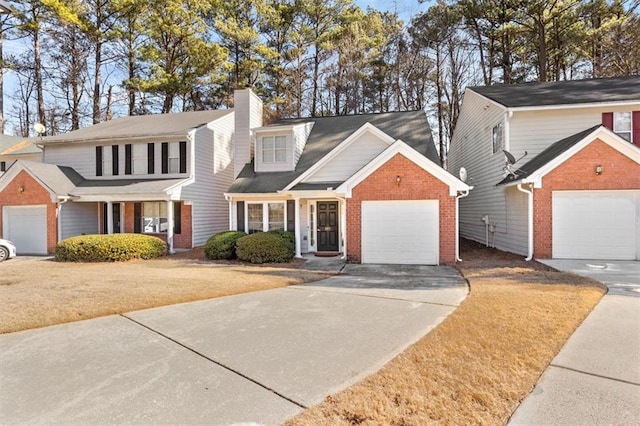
pixel 298 230
pixel 170 226
pixel 343 226
pixel 109 217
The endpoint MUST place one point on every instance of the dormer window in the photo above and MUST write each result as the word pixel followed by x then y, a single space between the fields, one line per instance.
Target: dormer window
pixel 274 149
pixel 622 124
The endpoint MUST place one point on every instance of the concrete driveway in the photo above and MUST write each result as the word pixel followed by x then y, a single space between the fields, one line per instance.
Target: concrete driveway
pixel 259 357
pixel 595 379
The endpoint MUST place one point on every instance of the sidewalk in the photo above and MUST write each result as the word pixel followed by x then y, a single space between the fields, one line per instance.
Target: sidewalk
pixel 595 379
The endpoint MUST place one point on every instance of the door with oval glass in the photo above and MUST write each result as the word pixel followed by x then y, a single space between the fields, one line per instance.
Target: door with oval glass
pixel 327 230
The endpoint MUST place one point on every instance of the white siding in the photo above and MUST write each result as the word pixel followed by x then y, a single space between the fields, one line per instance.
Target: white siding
pixel 300 136
pixel 517 220
pixel 471 147
pixel 82 158
pixel 213 174
pixel 534 131
pixel 355 156
pixel 79 219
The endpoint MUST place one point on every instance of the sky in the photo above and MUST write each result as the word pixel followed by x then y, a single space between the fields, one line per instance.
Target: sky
pixel 406 10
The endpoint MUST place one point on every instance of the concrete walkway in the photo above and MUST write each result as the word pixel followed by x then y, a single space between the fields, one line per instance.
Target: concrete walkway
pixel 595 379
pixel 258 357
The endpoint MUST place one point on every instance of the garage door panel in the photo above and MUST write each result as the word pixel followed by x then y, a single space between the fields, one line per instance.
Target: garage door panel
pixel 595 224
pixel 26 227
pixel 400 232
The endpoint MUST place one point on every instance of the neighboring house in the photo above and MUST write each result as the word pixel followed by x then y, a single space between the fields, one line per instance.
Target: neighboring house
pixel 576 194
pixel 162 175
pixel 14 148
pixel 367 186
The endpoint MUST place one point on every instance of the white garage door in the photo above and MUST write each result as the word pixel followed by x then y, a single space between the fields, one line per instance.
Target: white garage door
pixel 26 227
pixel 401 232
pixel 596 225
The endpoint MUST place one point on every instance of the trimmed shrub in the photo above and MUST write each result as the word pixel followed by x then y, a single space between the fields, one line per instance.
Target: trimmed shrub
pixel 222 245
pixel 109 248
pixel 264 247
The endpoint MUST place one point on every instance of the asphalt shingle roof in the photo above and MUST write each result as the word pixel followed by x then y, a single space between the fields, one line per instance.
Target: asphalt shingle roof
pixel 328 132
pixel 15 145
pixel 599 90
pixel 65 181
pixel 553 151
pixel 141 126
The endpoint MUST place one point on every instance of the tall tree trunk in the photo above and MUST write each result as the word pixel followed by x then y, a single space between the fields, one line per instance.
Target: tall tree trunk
pixel 440 107
pixel 107 111
pixel 97 81
pixel 37 60
pixel 316 75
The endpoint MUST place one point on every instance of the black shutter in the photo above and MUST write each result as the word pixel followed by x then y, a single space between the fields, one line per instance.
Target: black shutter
pixel 240 216
pixel 3 166
pixel 137 218
pixel 151 158
pixel 114 159
pixel 177 219
pixel 105 228
pixel 183 157
pixel 98 161
pixel 165 158
pixel 291 216
pixel 127 159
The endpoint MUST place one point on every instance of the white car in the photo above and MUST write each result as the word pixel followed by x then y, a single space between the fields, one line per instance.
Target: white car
pixel 7 250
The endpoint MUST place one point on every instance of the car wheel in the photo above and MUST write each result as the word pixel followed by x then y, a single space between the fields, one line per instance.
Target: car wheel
pixel 4 254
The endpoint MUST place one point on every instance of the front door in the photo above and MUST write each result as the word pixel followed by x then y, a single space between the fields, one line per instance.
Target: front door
pixel 327 226
pixel 116 218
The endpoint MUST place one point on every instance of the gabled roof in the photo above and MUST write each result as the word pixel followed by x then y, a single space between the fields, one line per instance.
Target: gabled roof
pixel 327 133
pixel 137 126
pixel 556 153
pixel 598 90
pixel 63 181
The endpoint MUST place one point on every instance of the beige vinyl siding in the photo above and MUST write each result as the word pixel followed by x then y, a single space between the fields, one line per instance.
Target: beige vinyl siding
pixel 516 238
pixel 534 131
pixel 79 219
pixel 300 136
pixel 355 156
pixel 471 147
pixel 213 174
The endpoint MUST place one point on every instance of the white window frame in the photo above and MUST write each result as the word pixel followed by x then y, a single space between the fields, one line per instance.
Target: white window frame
pixel 139 161
pixel 274 150
pixel 174 157
pixel 266 224
pixel 501 145
pixel 621 132
pixel 107 160
pixel 152 222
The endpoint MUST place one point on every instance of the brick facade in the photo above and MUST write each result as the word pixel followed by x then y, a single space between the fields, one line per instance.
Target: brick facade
pixel 578 173
pixel 416 184
pixel 24 190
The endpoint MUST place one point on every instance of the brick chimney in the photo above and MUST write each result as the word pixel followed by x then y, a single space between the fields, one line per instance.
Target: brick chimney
pixel 248 116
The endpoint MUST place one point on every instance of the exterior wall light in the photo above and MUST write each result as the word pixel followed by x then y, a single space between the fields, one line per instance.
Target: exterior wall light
pixel 599 169
pixel 398 180
pixel 21 189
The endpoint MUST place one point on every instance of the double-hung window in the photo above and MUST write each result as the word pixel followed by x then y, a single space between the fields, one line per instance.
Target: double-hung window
pixel 274 149
pixel 622 124
pixel 497 138
pixel 154 217
pixel 262 217
pixel 107 161
pixel 140 162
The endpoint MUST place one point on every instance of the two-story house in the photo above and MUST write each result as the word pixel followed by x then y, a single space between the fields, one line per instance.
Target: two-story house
pixel 576 193
pixel 368 187
pixel 13 148
pixel 162 175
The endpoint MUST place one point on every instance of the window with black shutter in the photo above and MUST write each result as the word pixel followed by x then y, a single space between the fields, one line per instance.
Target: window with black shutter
pixel 183 157
pixel 240 216
pixel 165 157
pixel 114 160
pixel 127 159
pixel 177 218
pixel 98 161
pixel 151 158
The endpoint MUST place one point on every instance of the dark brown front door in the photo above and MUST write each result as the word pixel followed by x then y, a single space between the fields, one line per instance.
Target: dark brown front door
pixel 327 226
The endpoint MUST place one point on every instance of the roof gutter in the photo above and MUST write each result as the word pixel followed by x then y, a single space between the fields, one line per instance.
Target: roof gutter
pixel 111 139
pixel 529 193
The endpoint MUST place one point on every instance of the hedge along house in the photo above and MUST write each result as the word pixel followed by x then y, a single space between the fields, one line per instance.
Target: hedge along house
pixel 366 186
pixel 162 175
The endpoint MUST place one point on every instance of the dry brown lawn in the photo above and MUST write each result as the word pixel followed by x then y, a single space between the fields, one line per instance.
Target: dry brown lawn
pixel 36 293
pixel 478 364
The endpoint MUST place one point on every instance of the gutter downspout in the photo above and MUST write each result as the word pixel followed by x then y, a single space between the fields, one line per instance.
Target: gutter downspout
pixel 529 193
pixel 343 225
pixel 460 195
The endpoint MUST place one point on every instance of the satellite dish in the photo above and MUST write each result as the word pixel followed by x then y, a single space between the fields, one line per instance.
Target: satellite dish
pixel 39 128
pixel 509 157
pixel 463 174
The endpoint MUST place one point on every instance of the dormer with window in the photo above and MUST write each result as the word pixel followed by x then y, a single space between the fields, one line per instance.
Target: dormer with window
pixel 278 148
